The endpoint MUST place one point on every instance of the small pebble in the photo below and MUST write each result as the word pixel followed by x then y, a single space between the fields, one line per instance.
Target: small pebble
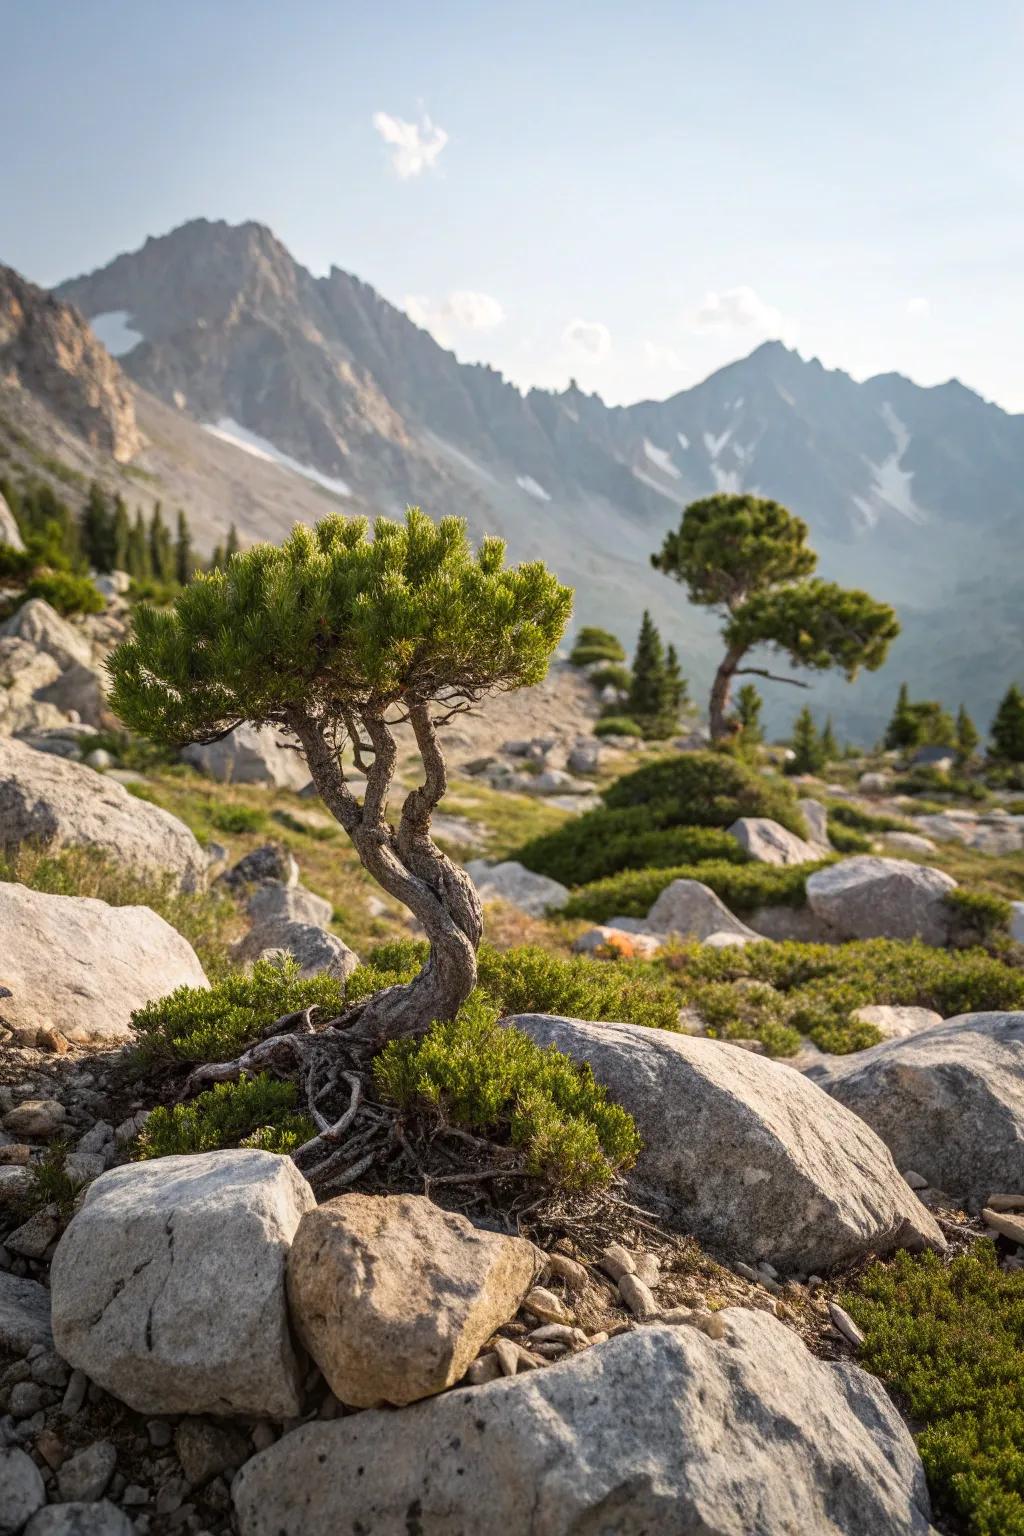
pixel 562 1268
pixel 547 1306
pixel 484 1369
pixel 616 1261
pixel 637 1296
pixel 507 1355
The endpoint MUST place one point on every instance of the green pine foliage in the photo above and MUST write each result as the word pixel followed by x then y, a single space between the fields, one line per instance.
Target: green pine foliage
pixel 475 1075
pixel 197 1024
pixel 748 713
pixel 948 1341
pixel 601 842
pixel 982 917
pixel 967 737
pixel 184 562
pixel 816 988
pixel 707 789
pixel 1008 727
pixel 332 614
pixel 255 1112
pixel 808 752
pixel 921 724
pixel 829 745
pixel 657 689
pixel 743 888
pixel 613 675
pixel 748 558
pixel 66 592
pixel 594 644
pixel 617 725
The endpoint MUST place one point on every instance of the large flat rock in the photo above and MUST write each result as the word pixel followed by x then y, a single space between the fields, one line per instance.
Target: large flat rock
pixel 168 1285
pixel 948 1101
pixel 83 966
pixel 48 801
pixel 659 1431
pixel 755 1160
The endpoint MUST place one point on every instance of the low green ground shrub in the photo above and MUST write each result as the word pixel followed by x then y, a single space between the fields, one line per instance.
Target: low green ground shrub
pixel 743 888
pixel 499 1083
pixel 195 1024
pixel 254 1112
pixel 928 780
pixel 205 919
pixel 611 676
pixel 533 980
pixel 866 821
pixel 602 842
pixel 846 840
pixel 822 985
pixel 948 1340
pixel 981 916
pixel 237 818
pixel 708 789
pixel 617 725
pixel 66 592
pixel 529 979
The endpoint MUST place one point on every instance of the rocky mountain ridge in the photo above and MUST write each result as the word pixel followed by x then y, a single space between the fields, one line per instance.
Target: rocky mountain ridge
pixel 46 349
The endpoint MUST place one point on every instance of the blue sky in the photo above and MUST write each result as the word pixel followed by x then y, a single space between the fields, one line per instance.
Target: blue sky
pixel 631 194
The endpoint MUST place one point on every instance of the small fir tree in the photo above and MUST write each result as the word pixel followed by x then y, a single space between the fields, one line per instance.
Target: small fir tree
pixel 807 749
pixel 967 737
pixel 161 553
pixel 98 530
pixel 748 713
pixel 829 745
pixel 122 535
pixel 593 644
pixel 232 545
pixel 677 689
pixel 749 559
pixel 647 689
pixel 140 565
pixel 183 562
pixel 1008 727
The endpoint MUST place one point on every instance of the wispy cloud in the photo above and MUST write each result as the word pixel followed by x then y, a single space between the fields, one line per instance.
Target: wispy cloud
pixel 414 147
pixel 588 336
pixel 464 309
pixel 738 309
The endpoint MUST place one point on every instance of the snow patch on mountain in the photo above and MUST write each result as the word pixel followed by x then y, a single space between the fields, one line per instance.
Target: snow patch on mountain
pixel 714 445
pixel 231 431
pixel 662 458
pixel 528 484
pixel 656 485
pixel 893 488
pixel 116 332
pixel 684 441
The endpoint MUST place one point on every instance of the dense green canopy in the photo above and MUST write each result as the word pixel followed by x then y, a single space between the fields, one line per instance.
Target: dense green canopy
pixel 333 621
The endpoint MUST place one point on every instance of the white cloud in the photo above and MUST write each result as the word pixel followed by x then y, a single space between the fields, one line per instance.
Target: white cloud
pixel 737 309
pixel 918 307
pixel 463 310
pixel 415 147
pixel 588 336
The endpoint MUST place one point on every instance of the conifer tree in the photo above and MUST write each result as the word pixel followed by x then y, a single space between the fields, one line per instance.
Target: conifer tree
pixel 749 559
pixel 808 754
pixel 98 530
pixel 748 713
pixel 336 639
pixel 122 534
pixel 217 559
pixel 183 562
pixel 140 564
pixel 903 728
pixel 677 690
pixel 648 688
pixel 1008 727
pixel 161 554
pixel 967 737
pixel 829 745
pixel 232 545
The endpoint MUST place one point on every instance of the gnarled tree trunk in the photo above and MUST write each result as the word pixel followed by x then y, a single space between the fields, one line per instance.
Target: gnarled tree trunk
pixel 721 689
pixel 407 863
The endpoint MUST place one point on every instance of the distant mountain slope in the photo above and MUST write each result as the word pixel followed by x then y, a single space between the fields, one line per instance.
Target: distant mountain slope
pixel 916 493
